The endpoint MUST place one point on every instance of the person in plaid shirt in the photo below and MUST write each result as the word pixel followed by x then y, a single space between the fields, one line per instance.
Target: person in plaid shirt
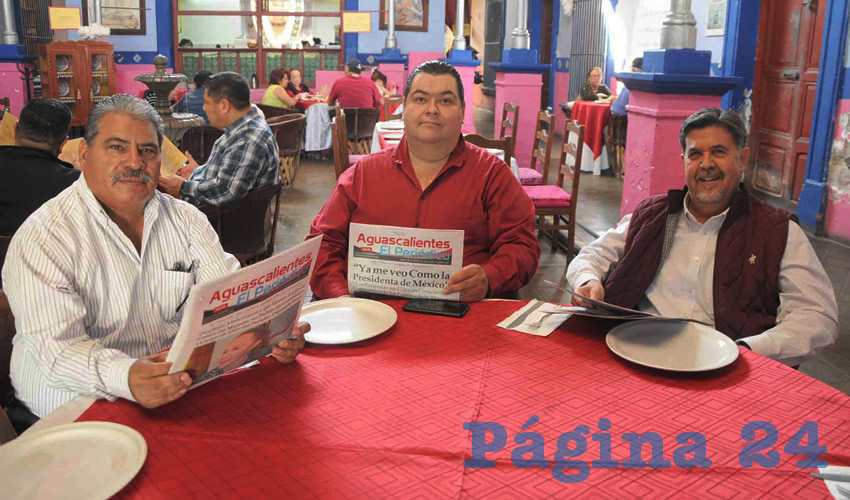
pixel 244 158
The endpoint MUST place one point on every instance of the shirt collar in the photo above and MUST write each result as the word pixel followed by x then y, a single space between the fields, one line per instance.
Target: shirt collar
pixel 457 158
pixel 242 121
pixel 711 223
pixel 94 206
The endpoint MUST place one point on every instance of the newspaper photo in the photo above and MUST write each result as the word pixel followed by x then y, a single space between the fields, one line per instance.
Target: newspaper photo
pixel 403 261
pixel 238 318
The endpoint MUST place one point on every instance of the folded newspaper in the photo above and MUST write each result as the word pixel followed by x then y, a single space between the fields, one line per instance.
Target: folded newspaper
pixel 598 308
pixel 239 318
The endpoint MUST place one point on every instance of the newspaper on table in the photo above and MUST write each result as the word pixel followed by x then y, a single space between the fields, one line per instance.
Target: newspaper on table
pixel 239 318
pixel 403 261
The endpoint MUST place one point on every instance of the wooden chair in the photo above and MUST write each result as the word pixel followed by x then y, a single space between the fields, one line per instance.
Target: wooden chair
pixel 7 331
pixel 615 142
pixel 544 134
pixel 391 102
pixel 510 120
pixel 4 101
pixel 360 123
pixel 505 144
pixel 198 141
pixel 4 247
pixel 339 134
pixel 289 133
pixel 555 200
pixel 274 111
pixel 243 227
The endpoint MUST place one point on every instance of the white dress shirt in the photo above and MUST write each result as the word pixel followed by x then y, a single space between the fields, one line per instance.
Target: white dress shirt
pixel 807 319
pixel 87 304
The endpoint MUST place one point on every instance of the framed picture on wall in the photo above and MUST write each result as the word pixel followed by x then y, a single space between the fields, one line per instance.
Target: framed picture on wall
pixel 122 17
pixel 410 15
pixel 715 24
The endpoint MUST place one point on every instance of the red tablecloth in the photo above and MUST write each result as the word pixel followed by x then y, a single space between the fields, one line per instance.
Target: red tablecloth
pixel 303 105
pixel 385 418
pixel 594 116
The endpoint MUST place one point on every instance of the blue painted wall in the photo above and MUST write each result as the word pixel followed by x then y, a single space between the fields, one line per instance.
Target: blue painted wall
pixel 430 41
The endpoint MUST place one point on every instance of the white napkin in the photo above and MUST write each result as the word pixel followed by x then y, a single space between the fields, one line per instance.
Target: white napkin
pixel 529 322
pixel 832 486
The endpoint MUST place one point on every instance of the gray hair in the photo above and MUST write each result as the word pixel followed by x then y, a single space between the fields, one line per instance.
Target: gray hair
pixel 135 108
pixel 715 117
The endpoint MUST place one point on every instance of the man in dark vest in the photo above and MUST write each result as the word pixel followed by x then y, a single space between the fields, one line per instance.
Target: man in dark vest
pixel 715 253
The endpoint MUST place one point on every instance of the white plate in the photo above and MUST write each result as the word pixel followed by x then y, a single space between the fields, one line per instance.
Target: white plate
pixel 394 125
pixel 393 136
pixel 346 320
pixel 62 63
pixel 79 460
pixel 64 87
pixel 680 346
pixel 96 63
pixel 95 87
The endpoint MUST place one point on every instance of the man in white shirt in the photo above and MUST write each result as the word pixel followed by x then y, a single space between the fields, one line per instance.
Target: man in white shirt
pixel 92 276
pixel 714 253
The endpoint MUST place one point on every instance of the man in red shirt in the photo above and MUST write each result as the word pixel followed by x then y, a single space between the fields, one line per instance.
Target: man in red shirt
pixel 352 91
pixel 433 179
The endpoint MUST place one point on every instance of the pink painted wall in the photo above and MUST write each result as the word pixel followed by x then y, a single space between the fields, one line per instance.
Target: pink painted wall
pixel 12 87
pixel 524 91
pixel 125 74
pixel 396 74
pixel 562 94
pixel 328 78
pixel 653 155
pixel 837 218
pixel 415 58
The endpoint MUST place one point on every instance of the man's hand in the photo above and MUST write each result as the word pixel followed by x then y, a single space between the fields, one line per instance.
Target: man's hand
pixel 190 166
pixel 592 289
pixel 171 184
pixel 152 386
pixel 471 282
pixel 286 350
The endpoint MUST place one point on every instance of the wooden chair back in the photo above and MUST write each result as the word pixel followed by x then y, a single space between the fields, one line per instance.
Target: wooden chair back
pixel 360 123
pixel 510 121
pixel 544 135
pixel 288 131
pixel 390 102
pixel 198 141
pixel 615 142
pixel 569 165
pixel 244 227
pixel 6 104
pixel 275 111
pixel 339 136
pixel 505 144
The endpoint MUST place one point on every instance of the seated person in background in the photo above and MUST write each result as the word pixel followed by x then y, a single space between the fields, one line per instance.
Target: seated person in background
pixel 244 158
pixel 185 43
pixel 89 274
pixel 434 179
pixel 193 101
pixel 714 253
pixel 619 105
pixel 352 91
pixel 30 171
pixel 295 85
pixel 380 80
pixel 276 94
pixel 591 90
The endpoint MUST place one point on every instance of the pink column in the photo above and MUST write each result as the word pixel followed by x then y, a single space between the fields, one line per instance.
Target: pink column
pixel 467 76
pixel 415 58
pixel 653 154
pixel 523 89
pixel 395 74
pixel 12 86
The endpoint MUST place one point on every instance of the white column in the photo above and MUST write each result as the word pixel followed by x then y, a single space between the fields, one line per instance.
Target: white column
pixel 459 42
pixel 680 27
pixel 519 36
pixel 391 42
pixel 98 14
pixel 10 36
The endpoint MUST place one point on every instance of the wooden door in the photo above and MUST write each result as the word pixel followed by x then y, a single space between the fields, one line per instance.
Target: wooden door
pixel 62 77
pixel 790 37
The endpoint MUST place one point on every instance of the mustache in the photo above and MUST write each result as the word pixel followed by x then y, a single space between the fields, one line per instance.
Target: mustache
pixel 132 173
pixel 710 173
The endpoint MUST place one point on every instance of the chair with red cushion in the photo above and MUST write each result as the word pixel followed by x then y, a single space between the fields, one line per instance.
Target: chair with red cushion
pixel 553 200
pixel 510 121
pixel 339 136
pixel 543 136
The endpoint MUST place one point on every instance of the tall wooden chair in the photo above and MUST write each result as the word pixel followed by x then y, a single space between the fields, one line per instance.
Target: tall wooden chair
pixel 339 136
pixel 288 130
pixel 198 141
pixel 275 111
pixel 615 142
pixel 557 201
pixel 392 103
pixel 510 121
pixel 544 135
pixel 505 144
pixel 361 125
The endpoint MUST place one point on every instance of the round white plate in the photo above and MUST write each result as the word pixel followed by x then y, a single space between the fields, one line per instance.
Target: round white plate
pixel 394 125
pixel 96 63
pixel 681 346
pixel 346 320
pixel 62 63
pixel 394 135
pixel 79 460
pixel 64 87
pixel 95 87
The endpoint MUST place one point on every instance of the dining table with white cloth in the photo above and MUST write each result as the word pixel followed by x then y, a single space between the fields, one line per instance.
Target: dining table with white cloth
pixel 317 133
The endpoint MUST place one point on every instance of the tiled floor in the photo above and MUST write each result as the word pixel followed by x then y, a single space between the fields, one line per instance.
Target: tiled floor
pixel 598 210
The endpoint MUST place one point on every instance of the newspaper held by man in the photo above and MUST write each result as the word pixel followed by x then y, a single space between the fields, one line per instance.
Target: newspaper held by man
pixel 239 318
pixel 403 261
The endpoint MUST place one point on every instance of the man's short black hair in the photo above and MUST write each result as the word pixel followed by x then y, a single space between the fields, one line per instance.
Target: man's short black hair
pixel 231 86
pixel 638 63
pixel 201 78
pixel 715 117
pixel 46 121
pixel 436 68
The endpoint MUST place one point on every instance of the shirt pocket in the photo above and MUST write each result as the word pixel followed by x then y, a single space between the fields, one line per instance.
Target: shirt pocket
pixel 170 292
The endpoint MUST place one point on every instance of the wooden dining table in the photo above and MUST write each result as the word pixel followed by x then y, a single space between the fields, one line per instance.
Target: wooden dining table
pixel 441 407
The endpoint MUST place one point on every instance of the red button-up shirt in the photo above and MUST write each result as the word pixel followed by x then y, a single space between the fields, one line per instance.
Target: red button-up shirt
pixel 474 191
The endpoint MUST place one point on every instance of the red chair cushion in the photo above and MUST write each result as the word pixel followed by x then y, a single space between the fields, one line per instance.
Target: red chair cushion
pixel 530 177
pixel 548 196
pixel 352 159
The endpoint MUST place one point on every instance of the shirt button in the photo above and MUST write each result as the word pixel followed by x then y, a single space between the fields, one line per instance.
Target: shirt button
pixel 696 258
pixel 685 315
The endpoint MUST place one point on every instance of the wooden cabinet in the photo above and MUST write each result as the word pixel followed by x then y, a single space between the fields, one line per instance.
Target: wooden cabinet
pixel 78 74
